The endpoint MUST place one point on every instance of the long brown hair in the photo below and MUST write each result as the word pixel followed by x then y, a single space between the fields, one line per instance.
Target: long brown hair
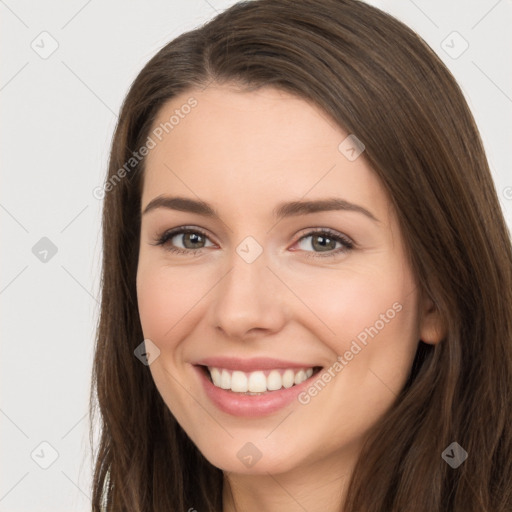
pixel 379 80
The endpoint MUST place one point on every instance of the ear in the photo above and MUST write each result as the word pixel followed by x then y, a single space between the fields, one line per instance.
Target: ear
pixel 432 325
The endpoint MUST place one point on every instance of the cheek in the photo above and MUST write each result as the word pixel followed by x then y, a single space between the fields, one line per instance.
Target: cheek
pixel 164 299
pixel 375 338
pixel 351 303
pixel 165 302
pixel 369 319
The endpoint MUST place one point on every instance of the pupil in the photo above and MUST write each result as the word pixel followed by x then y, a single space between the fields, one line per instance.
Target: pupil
pixel 195 237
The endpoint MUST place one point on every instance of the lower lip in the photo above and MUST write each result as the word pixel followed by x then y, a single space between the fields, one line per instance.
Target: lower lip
pixel 238 404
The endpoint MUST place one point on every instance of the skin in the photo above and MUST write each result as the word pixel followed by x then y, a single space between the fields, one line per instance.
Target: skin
pixel 245 152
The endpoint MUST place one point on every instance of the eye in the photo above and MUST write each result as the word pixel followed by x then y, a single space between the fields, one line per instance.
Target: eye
pixel 192 240
pixel 323 242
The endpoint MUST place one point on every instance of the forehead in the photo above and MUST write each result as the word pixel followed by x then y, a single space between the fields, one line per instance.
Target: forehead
pixel 252 149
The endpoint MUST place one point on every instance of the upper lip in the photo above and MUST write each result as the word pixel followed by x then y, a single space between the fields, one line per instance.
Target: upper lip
pixel 248 365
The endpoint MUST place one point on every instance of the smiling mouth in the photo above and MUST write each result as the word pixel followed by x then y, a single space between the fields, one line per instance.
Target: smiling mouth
pixel 257 382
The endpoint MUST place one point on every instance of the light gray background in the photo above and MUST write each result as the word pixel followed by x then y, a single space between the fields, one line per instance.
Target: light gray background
pixel 59 114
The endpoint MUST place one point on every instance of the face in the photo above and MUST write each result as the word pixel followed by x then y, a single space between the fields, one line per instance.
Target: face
pixel 276 289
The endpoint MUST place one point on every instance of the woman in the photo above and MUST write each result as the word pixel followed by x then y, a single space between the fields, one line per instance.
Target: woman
pixel 307 278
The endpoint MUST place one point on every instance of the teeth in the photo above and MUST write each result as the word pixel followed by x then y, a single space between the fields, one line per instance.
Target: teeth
pixel 216 377
pixel 225 380
pixel 239 382
pixel 288 378
pixel 258 382
pixel 274 381
pixel 300 376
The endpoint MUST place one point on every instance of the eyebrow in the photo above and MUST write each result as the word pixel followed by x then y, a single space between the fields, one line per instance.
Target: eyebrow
pixel 282 210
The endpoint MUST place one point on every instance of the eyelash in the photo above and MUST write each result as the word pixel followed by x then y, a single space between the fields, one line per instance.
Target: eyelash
pixel 332 235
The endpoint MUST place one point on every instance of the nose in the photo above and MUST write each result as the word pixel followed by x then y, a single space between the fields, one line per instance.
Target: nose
pixel 250 300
